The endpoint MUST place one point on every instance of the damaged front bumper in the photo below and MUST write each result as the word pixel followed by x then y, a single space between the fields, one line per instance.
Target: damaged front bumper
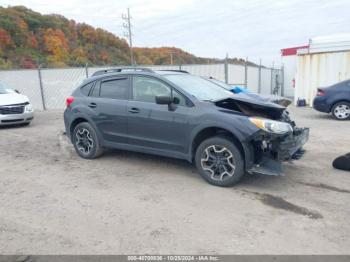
pixel 271 150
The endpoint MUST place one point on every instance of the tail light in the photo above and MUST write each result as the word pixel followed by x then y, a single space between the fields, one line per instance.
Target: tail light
pixel 320 92
pixel 69 101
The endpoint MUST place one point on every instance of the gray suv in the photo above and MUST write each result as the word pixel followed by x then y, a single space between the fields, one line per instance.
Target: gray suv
pixel 175 114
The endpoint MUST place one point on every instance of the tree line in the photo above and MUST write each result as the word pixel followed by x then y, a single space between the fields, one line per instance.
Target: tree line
pixel 28 38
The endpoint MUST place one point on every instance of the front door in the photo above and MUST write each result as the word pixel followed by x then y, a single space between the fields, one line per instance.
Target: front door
pixel 152 125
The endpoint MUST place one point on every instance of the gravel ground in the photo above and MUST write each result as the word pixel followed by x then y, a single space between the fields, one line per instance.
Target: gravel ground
pixel 53 202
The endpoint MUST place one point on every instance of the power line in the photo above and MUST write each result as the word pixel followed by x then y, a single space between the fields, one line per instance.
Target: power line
pixel 127 25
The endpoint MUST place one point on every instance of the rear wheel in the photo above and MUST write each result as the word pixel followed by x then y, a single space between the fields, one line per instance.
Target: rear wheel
pixel 219 161
pixel 86 142
pixel 341 111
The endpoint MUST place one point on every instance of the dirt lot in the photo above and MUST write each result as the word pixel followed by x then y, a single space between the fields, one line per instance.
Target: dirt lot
pixel 54 202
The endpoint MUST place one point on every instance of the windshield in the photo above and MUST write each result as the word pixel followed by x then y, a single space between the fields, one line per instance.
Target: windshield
pixel 198 87
pixel 5 89
pixel 220 83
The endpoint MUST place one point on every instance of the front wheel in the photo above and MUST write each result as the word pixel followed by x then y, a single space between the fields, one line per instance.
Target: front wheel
pixel 86 142
pixel 219 161
pixel 341 111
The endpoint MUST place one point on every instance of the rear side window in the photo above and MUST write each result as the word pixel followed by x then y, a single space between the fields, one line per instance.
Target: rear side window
pixel 86 88
pixel 115 88
pixel 96 90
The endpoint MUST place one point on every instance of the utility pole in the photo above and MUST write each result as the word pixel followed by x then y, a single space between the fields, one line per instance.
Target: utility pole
pixel 127 25
pixel 171 58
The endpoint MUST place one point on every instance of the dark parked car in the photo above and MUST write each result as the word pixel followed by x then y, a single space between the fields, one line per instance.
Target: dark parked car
pixel 175 114
pixel 334 99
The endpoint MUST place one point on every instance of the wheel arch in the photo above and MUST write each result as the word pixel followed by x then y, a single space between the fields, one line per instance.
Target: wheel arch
pixel 74 123
pixel 212 131
pixel 80 119
pixel 339 101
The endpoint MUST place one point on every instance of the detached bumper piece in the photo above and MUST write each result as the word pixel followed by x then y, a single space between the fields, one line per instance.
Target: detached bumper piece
pixel 272 150
pixel 267 166
pixel 299 154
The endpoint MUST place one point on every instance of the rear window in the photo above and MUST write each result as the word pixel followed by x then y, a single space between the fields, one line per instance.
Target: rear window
pixel 115 89
pixel 343 83
pixel 86 88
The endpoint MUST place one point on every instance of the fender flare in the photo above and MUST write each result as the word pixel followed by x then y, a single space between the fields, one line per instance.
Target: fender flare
pixel 245 144
pixel 89 120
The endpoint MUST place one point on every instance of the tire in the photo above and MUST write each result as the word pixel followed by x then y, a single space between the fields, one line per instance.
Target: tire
pixel 341 111
pixel 219 161
pixel 88 145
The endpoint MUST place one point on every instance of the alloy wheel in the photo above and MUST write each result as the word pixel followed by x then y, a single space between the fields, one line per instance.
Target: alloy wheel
pixel 218 162
pixel 84 141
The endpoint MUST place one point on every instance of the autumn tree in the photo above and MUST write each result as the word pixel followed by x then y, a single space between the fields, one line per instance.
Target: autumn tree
pixel 56 45
pixel 5 39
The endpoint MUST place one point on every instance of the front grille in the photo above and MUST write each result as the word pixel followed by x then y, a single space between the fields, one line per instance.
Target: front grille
pixel 12 120
pixel 12 109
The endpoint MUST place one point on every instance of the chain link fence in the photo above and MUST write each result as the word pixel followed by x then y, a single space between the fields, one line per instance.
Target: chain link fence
pixel 48 88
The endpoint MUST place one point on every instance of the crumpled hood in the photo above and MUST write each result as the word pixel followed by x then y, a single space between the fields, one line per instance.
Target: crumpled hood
pixel 251 106
pixel 280 100
pixel 246 98
pixel 12 98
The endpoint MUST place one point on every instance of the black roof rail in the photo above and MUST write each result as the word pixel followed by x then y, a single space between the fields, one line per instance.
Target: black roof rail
pixel 174 70
pixel 121 69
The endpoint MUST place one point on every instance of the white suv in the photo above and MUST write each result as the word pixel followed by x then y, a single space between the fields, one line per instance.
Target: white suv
pixel 14 107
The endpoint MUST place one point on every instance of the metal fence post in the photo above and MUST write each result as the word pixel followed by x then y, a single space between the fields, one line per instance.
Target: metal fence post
pixel 282 80
pixel 41 88
pixel 259 78
pixel 86 70
pixel 246 73
pixel 226 69
pixel 271 91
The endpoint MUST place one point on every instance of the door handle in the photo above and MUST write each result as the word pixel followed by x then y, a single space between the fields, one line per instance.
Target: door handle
pixel 92 105
pixel 134 110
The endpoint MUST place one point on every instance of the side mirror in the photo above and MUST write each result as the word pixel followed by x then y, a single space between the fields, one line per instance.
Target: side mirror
pixel 17 91
pixel 164 100
pixel 167 100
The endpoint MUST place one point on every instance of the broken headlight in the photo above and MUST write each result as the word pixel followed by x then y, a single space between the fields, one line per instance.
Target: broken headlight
pixel 271 126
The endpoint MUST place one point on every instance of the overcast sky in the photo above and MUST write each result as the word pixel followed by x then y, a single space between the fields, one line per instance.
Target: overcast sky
pixel 210 28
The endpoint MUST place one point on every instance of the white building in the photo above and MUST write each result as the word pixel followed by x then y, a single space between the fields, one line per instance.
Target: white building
pixel 325 61
pixel 289 60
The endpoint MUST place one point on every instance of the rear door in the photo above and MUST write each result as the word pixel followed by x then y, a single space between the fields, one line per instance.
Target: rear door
pixel 152 125
pixel 108 100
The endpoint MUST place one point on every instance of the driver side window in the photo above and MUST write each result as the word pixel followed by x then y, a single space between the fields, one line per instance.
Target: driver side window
pixel 145 89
